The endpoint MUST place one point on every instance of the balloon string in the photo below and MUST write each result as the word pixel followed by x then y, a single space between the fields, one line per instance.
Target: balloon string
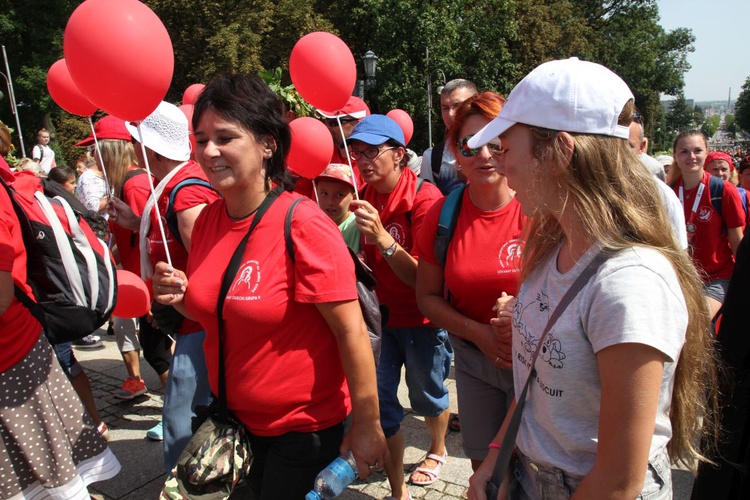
pixel 315 190
pixel 348 159
pixel 107 185
pixel 153 197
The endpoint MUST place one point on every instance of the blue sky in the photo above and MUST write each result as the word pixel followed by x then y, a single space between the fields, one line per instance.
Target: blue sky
pixel 722 45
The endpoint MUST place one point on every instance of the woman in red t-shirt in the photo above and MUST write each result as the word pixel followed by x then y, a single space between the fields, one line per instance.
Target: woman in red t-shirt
pixel 297 357
pixel 389 215
pixel 713 237
pixel 46 433
pixel 482 262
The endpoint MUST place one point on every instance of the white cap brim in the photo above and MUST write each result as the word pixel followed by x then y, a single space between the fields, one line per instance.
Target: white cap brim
pixel 490 132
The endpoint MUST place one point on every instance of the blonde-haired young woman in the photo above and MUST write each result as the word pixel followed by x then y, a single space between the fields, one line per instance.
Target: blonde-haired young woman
pixel 625 368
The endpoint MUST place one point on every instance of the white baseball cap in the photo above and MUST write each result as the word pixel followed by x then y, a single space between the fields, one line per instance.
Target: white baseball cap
pixel 568 95
pixel 165 131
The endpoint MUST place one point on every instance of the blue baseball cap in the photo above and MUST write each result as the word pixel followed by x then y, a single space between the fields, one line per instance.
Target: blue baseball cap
pixel 377 129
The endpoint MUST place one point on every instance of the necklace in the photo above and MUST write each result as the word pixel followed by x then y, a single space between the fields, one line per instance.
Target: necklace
pixel 243 217
pixel 501 205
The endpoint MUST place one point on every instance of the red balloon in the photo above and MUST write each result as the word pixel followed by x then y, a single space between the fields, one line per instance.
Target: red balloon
pixel 323 70
pixel 64 91
pixel 404 121
pixel 133 299
pixel 311 149
pixel 191 93
pixel 120 56
pixel 187 110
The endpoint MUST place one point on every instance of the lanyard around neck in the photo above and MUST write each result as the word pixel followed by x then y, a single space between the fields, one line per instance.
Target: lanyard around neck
pixel 696 201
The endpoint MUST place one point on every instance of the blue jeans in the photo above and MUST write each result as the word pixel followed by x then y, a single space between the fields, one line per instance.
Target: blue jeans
pixel 534 481
pixel 426 353
pixel 187 387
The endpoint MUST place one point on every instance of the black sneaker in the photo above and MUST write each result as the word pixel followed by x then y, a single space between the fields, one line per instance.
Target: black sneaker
pixel 110 329
pixel 87 342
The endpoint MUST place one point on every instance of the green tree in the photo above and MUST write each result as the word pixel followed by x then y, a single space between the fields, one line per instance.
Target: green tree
pixel 680 115
pixel 742 107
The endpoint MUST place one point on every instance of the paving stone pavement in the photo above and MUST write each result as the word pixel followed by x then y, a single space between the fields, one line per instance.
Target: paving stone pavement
pixel 143 474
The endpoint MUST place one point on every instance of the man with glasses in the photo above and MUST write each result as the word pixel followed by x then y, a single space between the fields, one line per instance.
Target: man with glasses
pixel 438 163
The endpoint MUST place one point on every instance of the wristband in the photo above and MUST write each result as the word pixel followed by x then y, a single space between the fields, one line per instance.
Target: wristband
pixel 494 446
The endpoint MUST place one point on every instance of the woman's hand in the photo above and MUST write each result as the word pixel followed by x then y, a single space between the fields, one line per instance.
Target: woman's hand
pixel 496 345
pixel 121 214
pixel 478 481
pixel 367 443
pixel 368 222
pixel 169 284
pixel 502 327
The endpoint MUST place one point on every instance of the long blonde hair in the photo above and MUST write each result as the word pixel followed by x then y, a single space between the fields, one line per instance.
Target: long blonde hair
pixel 117 156
pixel 620 206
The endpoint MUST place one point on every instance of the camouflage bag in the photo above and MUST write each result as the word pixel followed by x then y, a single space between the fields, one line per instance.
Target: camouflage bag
pixel 216 459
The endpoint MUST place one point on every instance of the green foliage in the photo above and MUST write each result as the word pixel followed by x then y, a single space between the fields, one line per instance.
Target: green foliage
pixel 742 107
pixel 710 125
pixel 293 101
pixel 680 115
pixel 730 125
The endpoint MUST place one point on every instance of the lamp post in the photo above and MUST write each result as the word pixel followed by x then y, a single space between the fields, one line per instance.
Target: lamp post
pixel 429 94
pixel 12 95
pixel 370 62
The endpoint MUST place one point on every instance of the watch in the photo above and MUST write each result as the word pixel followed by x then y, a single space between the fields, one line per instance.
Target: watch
pixel 388 252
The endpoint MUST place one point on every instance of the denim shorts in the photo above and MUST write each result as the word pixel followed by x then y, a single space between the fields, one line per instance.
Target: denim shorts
pixel 67 359
pixel 426 354
pixel 534 481
pixel 716 289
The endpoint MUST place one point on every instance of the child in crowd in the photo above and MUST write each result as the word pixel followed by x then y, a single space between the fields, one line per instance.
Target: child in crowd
pixel 65 176
pixel 42 153
pixel 335 191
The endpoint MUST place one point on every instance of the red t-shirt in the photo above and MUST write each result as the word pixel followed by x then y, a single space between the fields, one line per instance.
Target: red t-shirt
pixel 187 197
pixel 282 362
pixel 19 331
pixel 712 254
pixel 484 255
pixel 392 292
pixel 135 193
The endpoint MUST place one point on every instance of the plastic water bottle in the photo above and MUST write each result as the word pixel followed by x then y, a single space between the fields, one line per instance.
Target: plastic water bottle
pixel 334 479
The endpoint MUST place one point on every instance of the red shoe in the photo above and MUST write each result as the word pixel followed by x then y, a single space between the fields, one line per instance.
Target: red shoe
pixel 131 388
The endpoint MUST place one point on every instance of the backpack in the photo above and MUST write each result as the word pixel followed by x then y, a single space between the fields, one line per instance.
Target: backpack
pixel 374 314
pixel 171 214
pixel 71 272
pixel 436 159
pixel 95 220
pixel 447 224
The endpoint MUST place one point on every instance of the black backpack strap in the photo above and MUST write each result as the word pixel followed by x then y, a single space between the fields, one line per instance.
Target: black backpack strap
pixel 130 174
pixel 419 187
pixel 171 214
pixel 447 223
pixel 716 189
pixel 436 159
pixel 288 228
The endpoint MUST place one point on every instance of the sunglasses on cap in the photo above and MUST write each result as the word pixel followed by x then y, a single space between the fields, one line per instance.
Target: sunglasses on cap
pixel 331 122
pixel 465 150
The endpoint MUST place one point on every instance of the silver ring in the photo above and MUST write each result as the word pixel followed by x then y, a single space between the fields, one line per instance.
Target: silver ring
pixel 373 466
pixel 497 359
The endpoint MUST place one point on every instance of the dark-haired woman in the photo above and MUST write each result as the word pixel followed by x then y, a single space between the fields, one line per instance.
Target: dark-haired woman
pixel 297 356
pixel 65 176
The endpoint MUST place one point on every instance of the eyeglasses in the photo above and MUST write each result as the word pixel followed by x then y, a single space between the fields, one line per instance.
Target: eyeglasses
pixel 331 122
pixel 465 150
pixel 370 153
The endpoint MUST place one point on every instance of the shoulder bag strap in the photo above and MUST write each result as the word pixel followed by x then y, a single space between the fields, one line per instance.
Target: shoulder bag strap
pixel 231 272
pixel 509 439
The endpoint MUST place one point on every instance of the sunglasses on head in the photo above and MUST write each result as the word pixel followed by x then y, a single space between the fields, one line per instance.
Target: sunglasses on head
pixel 465 150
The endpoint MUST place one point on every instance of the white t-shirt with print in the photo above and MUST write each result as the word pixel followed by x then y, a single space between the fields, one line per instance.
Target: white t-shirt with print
pixel 635 297
pixel 46 155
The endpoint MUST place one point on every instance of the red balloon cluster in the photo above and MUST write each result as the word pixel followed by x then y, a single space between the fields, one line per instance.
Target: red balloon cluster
pixel 120 56
pixel 133 299
pixel 64 91
pixel 311 149
pixel 404 121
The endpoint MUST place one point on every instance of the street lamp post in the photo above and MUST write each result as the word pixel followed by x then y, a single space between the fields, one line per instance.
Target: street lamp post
pixel 12 96
pixel 429 94
pixel 370 62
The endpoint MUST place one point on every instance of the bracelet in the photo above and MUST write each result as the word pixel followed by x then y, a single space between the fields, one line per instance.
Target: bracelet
pixel 494 446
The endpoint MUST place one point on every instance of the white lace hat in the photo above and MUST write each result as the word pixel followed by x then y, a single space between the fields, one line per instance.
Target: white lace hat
pixel 165 131
pixel 568 95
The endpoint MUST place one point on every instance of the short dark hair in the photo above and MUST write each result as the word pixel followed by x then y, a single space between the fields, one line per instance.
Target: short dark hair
pixel 458 83
pixel 61 173
pixel 248 101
